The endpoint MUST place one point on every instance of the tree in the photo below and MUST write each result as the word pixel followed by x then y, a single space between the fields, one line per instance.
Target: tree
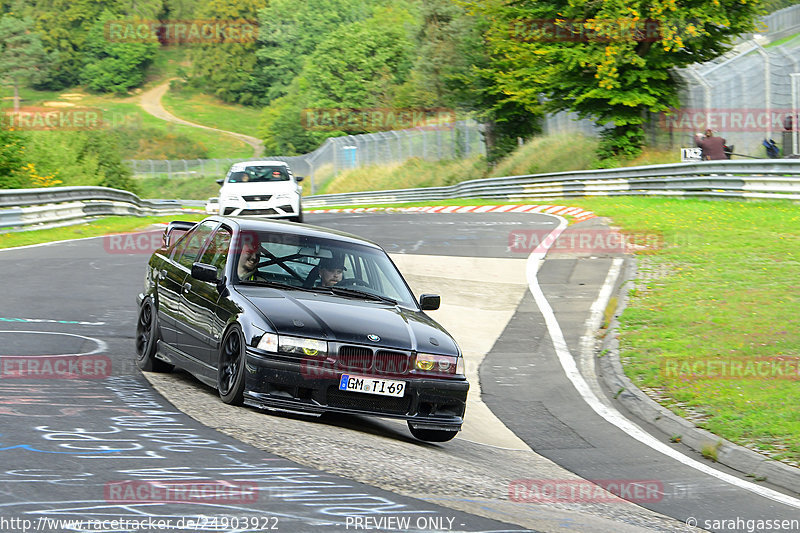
pixel 282 128
pixel 289 31
pixel 112 66
pixel 608 61
pixel 23 59
pixel 225 68
pixel 12 151
pixel 451 69
pixel 361 64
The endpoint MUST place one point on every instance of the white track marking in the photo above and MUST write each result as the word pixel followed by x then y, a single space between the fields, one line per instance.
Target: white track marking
pixel 613 416
pixel 101 345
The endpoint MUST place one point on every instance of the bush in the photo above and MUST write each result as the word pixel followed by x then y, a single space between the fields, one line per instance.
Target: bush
pixel 12 152
pixel 79 158
pixel 153 143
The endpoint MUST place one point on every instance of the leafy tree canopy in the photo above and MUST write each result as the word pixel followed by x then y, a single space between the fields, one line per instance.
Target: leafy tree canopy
pixel 114 66
pixel 225 68
pixel 609 61
pixel 289 31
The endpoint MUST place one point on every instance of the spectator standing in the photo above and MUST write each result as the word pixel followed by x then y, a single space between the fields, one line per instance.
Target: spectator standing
pixel 713 147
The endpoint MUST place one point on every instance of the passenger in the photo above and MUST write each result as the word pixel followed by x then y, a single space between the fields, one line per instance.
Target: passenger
pixel 331 271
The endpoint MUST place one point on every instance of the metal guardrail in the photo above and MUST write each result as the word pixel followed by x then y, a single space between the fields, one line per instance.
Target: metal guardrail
pixel 763 179
pixel 766 179
pixel 53 205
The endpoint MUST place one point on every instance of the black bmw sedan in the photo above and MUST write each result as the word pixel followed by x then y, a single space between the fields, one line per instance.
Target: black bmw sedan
pixel 297 318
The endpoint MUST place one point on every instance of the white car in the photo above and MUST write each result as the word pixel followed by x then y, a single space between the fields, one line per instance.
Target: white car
pixel 263 188
pixel 212 206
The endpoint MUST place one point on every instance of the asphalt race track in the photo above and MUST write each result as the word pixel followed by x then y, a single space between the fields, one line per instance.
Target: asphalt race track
pixel 84 454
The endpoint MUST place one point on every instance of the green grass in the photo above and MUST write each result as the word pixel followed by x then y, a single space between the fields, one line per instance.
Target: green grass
pixel 785 40
pixel 199 188
pixel 412 173
pixel 190 104
pixel 94 228
pixel 125 112
pixel 562 153
pixel 729 294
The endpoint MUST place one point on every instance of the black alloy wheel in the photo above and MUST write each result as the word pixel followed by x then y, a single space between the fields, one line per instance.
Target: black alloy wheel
pixel 147 333
pixel 230 371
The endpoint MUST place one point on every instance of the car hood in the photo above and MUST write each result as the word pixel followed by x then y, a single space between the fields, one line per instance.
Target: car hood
pixel 349 320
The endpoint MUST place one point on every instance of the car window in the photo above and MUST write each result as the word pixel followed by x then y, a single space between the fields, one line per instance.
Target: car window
pixel 259 173
pixel 216 253
pixel 297 260
pixel 192 243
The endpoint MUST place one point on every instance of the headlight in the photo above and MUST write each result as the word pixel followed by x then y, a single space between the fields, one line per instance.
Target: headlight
pixel 301 346
pixel 268 342
pixel 442 364
pixel 271 342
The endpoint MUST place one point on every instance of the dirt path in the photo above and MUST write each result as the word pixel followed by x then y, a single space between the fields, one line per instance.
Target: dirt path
pixel 150 101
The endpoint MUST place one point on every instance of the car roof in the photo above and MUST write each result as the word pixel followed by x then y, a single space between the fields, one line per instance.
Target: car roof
pixel 307 230
pixel 237 167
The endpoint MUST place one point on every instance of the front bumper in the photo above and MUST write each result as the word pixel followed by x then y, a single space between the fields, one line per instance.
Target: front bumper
pixel 289 386
pixel 281 209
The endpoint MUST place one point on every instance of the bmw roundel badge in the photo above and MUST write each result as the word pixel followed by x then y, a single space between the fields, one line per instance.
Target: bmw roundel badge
pixel 373 338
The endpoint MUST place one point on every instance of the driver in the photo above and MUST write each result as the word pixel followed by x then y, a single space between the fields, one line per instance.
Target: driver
pixel 247 267
pixel 330 271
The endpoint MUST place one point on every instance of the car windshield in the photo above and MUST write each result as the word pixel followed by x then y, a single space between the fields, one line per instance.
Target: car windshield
pixel 325 265
pixel 257 174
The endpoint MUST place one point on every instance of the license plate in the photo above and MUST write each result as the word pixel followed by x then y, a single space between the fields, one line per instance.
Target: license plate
pixel 369 385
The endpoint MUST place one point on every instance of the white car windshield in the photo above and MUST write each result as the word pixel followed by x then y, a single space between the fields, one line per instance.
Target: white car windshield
pixel 256 174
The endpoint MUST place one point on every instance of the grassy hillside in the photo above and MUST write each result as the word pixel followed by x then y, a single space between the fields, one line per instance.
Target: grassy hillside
pixel 557 153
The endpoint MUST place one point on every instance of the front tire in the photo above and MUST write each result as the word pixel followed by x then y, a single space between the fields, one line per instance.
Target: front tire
pixel 230 370
pixel 147 334
pixel 432 435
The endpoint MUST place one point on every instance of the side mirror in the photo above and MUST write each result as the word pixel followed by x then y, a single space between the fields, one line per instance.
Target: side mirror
pixel 204 272
pixel 299 178
pixel 221 181
pixel 429 302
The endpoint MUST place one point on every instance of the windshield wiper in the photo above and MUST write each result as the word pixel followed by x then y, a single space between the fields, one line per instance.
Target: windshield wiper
pixel 342 291
pixel 276 284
